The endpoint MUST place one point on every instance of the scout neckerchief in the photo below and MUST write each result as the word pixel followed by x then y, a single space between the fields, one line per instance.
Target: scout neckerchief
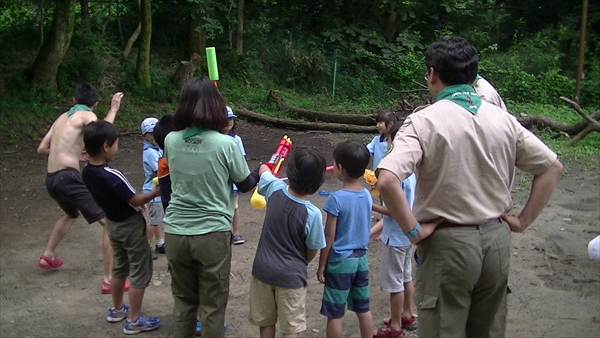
pixel 463 95
pixel 192 131
pixel 78 107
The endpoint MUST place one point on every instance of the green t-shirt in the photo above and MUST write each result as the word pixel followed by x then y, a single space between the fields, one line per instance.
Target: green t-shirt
pixel 202 168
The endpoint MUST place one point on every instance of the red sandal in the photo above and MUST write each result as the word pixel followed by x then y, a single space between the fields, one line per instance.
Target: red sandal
pixel 50 263
pixel 409 324
pixel 106 287
pixel 389 332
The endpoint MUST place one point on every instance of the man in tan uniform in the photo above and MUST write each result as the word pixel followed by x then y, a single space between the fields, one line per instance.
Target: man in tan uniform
pixel 63 144
pixel 463 151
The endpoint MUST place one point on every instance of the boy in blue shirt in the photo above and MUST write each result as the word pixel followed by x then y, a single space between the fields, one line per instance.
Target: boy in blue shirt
pixel 343 265
pixel 291 236
pixel 150 155
pixel 125 224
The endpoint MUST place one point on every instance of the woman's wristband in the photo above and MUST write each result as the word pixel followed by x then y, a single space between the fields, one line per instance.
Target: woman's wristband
pixel 414 232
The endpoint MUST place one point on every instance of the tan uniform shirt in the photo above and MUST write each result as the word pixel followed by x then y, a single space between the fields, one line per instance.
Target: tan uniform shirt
pixel 464 163
pixel 488 93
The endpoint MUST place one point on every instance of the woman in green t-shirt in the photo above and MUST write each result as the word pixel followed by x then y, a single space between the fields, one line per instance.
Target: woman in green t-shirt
pixel 203 163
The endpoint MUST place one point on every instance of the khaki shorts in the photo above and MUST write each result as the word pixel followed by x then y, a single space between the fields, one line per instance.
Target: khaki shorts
pixel 269 303
pixel 156 213
pixel 131 252
pixel 235 202
pixel 396 268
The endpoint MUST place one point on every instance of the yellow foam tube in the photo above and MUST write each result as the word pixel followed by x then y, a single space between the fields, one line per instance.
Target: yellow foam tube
pixel 257 200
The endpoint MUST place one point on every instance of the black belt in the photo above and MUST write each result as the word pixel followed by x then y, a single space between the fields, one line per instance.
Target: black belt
pixel 489 222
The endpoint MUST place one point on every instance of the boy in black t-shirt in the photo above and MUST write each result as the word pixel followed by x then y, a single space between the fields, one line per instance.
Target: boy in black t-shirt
pixel 125 224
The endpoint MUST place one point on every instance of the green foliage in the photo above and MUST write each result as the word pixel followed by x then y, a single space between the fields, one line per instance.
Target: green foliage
pixel 307 63
pixel 161 71
pixel 528 72
pixel 90 59
pixel 590 84
pixel 528 54
pixel 373 41
pixel 25 113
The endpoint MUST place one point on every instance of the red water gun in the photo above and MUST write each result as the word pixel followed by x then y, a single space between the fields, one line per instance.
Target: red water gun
pixel 285 146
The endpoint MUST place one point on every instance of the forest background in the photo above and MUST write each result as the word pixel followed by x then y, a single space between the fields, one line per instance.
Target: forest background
pixel 353 56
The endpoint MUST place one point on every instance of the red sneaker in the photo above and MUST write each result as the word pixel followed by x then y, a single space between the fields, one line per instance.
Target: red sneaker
pixel 106 289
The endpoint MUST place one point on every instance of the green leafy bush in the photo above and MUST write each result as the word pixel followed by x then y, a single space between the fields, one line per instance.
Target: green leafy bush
pixel 528 72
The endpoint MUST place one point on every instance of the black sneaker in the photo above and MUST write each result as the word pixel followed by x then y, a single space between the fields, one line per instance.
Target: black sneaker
pixel 237 240
pixel 160 249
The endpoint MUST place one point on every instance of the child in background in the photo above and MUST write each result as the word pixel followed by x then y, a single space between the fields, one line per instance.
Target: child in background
pixel 343 264
pixel 395 273
pixel 150 155
pixel 125 224
pixel 292 234
pixel 162 128
pixel 378 146
pixel 237 239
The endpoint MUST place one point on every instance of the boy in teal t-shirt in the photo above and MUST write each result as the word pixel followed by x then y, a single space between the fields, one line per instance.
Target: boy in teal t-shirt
pixel 343 265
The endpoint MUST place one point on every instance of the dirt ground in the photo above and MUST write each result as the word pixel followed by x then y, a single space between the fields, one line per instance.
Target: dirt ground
pixel 556 288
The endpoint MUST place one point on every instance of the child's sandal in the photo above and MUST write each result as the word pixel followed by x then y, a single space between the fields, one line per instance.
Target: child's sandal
pixel 389 332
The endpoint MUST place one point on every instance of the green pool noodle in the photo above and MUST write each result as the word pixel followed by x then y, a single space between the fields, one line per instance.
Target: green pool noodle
pixel 211 60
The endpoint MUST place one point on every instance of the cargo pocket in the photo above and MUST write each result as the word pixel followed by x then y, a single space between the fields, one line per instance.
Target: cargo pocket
pixel 429 314
pixel 425 301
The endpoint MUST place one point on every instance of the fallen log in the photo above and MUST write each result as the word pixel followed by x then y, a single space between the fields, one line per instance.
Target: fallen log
pixel 355 119
pixel 303 125
pixel 543 122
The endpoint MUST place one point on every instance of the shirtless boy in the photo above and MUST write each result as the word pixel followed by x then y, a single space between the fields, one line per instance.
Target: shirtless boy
pixel 63 144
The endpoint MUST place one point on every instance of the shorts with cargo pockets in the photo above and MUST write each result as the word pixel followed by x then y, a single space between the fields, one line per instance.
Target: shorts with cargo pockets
pixel 131 252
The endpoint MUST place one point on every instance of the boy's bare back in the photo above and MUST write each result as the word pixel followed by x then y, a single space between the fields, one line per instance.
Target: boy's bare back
pixel 63 144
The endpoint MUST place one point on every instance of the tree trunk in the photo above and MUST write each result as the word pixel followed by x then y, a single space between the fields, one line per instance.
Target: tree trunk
pixel 85 15
pixel 142 70
pixel 186 71
pixel 391 22
pixel 43 71
pixel 196 42
pixel 239 31
pixel 41 23
pixel 110 5
pixel 133 36
pixel 131 40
